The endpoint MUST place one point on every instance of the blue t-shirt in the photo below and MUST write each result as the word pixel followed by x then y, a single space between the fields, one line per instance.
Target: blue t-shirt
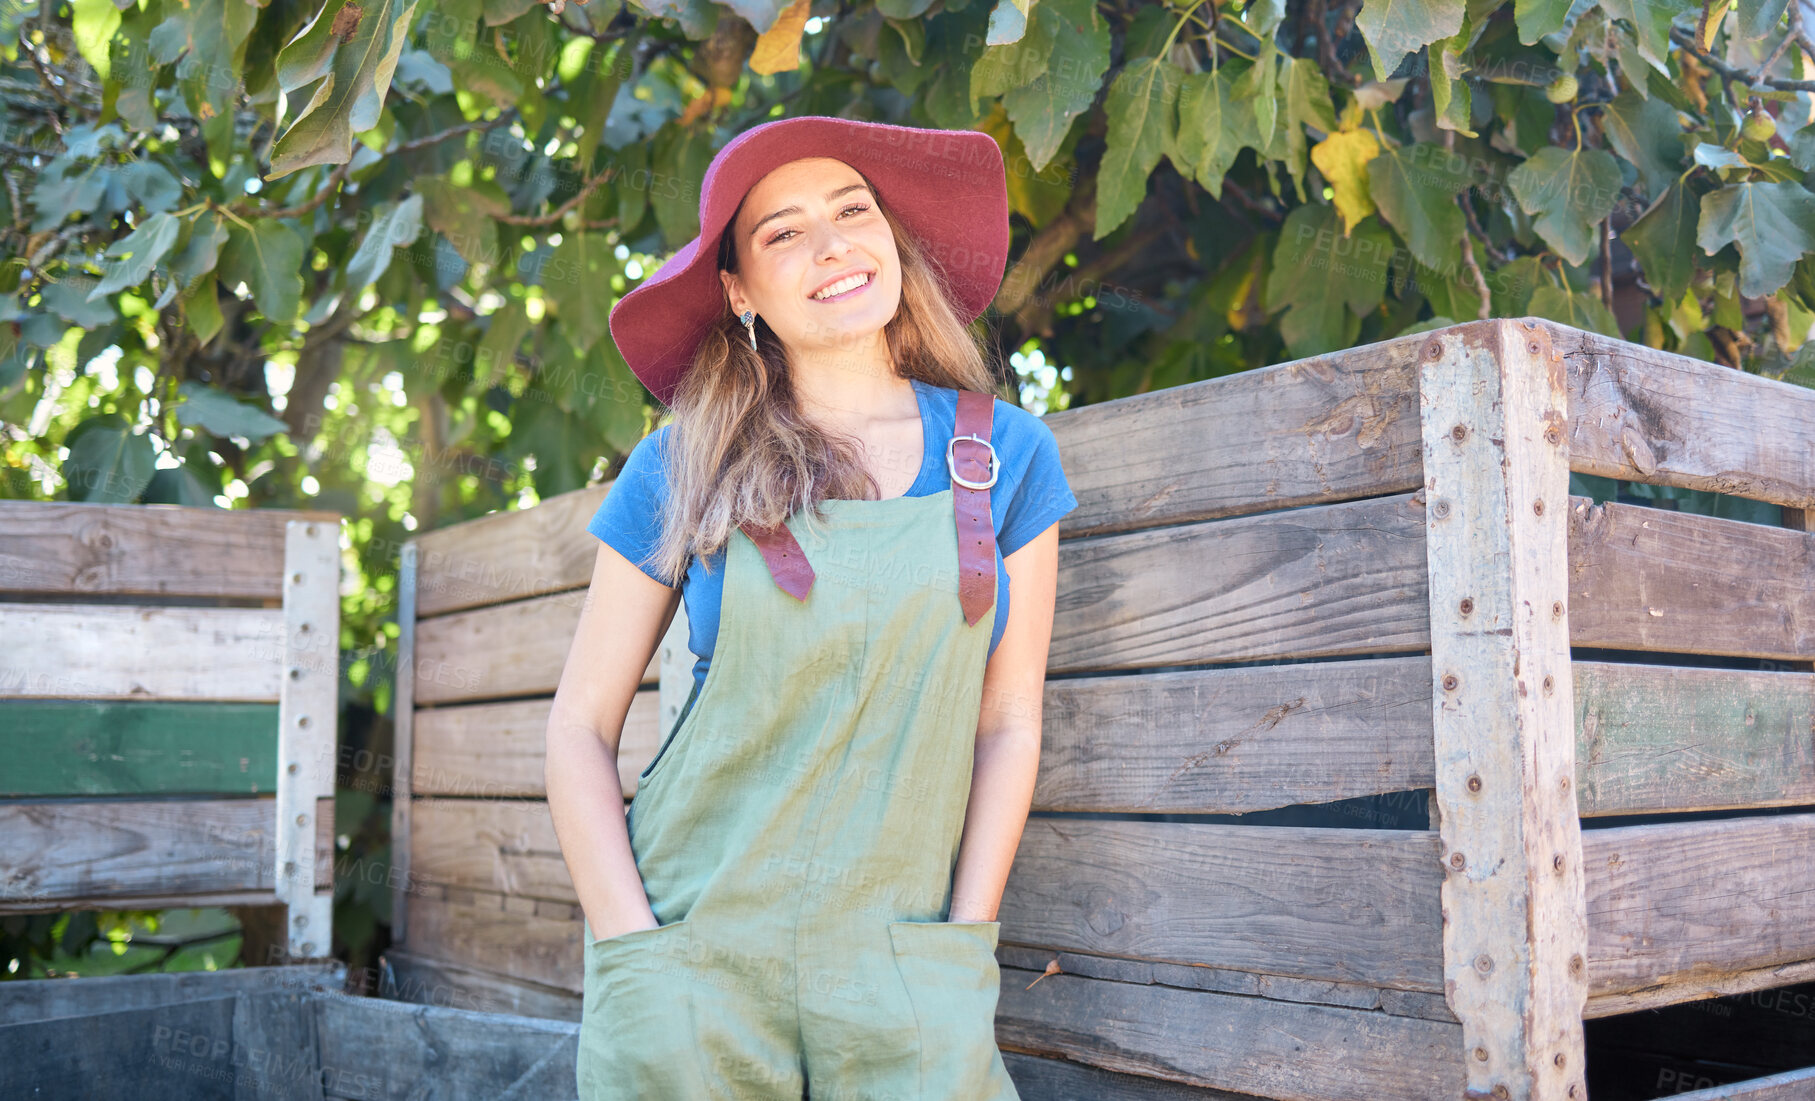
pixel 1030 495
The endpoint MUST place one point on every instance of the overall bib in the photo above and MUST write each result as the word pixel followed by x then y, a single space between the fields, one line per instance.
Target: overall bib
pixel 798 830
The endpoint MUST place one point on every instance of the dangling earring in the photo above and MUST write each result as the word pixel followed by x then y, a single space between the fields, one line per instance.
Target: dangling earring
pixel 749 322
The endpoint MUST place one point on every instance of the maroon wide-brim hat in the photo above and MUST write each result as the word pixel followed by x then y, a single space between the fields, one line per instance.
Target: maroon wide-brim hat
pixel 947 187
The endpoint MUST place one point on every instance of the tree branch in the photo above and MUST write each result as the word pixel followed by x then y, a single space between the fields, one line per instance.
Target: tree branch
pixel 1729 73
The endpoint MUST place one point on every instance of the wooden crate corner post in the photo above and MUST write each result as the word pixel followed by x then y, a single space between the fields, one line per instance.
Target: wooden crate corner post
pixel 403 752
pixel 1494 413
pixel 307 740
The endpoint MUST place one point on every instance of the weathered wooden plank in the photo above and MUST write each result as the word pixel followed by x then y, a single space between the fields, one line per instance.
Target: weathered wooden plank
pixel 1038 1079
pixel 381 1050
pixel 1653 416
pixel 125 747
pixel 411 977
pixel 1333 904
pixel 1496 476
pixel 159 1051
pixel 275 1054
pixel 1685 902
pixel 1270 1049
pixel 501 651
pixel 1229 741
pixel 1791 1085
pixel 78 549
pixel 308 714
pixel 1649 579
pixel 1323 581
pixel 1670 738
pixel 509 555
pixel 1223 980
pixel 502 935
pixel 41 999
pixel 1306 432
pixel 497 750
pixel 91 651
pixel 403 768
pixel 121 850
pixel 502 845
pixel 1710 985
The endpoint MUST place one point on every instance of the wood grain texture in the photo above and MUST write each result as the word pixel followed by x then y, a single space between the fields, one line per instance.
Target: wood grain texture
pixel 1041 1079
pixel 1496 477
pixel 515 937
pixel 1306 432
pixel 373 1048
pixel 1322 581
pixel 1256 1046
pixel 127 747
pixel 1341 905
pixel 497 750
pixel 511 555
pixel 1229 741
pixel 119 850
pixel 41 999
pixel 113 652
pixel 1651 416
pixel 78 549
pixel 1686 902
pixel 1649 579
pixel 502 845
pixel 1670 738
pixel 426 981
pixel 507 650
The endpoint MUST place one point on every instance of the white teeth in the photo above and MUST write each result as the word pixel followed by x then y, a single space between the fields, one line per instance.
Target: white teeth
pixel 843 285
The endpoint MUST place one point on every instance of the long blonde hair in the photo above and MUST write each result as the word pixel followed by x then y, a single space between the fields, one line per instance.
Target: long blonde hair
pixel 739 450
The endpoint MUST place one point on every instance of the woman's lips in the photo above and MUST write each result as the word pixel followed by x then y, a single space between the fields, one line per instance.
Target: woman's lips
pixel 867 284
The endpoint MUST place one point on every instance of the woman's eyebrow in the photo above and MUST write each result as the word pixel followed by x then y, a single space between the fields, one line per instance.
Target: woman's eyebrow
pixel 787 210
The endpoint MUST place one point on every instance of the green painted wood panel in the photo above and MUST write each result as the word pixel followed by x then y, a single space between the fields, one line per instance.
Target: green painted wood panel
pixel 104 747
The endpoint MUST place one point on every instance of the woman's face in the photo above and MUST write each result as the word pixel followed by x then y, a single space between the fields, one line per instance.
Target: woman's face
pixel 809 225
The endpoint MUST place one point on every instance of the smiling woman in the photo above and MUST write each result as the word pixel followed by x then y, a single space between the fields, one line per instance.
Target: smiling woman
pixel 802 896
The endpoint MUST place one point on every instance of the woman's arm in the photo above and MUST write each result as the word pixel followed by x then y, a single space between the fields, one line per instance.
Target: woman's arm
pixel 1008 732
pixel 625 614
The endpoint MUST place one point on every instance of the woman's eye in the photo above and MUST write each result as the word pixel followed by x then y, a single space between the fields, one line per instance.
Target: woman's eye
pixel 860 207
pixel 782 235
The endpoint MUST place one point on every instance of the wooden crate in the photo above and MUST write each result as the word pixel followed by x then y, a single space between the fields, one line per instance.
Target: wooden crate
pixel 168 711
pixel 1357 575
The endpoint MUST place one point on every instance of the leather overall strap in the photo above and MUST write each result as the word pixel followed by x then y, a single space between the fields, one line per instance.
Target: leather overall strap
pixel 967 458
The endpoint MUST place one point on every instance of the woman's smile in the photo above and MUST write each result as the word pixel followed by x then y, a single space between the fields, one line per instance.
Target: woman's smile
pixel 848 287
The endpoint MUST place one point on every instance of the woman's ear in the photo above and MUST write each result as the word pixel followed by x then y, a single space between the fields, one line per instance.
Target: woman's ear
pixel 732 291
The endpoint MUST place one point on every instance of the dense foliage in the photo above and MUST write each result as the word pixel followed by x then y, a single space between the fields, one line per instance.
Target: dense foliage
pixel 361 257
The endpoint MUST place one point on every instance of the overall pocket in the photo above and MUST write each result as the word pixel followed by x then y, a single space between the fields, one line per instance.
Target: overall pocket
pixel 636 1024
pixel 953 981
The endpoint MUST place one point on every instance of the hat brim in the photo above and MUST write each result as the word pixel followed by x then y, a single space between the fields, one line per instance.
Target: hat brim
pixel 947 187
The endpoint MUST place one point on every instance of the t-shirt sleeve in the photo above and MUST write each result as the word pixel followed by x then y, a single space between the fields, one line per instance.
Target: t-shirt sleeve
pixel 1043 496
pixel 629 519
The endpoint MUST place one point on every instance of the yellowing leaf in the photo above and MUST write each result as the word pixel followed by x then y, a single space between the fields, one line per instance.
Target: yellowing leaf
pixel 778 48
pixel 1343 159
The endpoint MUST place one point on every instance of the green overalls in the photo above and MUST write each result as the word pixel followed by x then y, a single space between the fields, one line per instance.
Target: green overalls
pixel 797 832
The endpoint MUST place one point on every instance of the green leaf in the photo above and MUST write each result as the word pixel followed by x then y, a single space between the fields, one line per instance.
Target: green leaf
pixel 1043 110
pixel 1142 121
pixel 1568 192
pixel 1212 126
pixel 213 34
pixel 464 216
pixel 1645 131
pixel 577 279
pixel 1318 273
pixel 1537 18
pixel 221 413
pixel 1758 18
pixel 269 260
pixel 1773 225
pixel 350 96
pixel 1308 95
pixel 1394 28
pixel 202 251
pixel 70 301
pixel 108 462
pixel 1415 187
pixel 677 165
pixel 1584 311
pixel 1663 240
pixel 1004 68
pixel 143 247
pixel 509 325
pixel 1650 22
pixel 202 308
pixel 1257 91
pixel 396 224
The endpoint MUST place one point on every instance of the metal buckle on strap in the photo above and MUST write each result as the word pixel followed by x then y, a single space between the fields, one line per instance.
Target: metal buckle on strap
pixel 951 463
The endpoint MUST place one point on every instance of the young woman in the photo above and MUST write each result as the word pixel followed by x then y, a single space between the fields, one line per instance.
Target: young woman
pixel 801 900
